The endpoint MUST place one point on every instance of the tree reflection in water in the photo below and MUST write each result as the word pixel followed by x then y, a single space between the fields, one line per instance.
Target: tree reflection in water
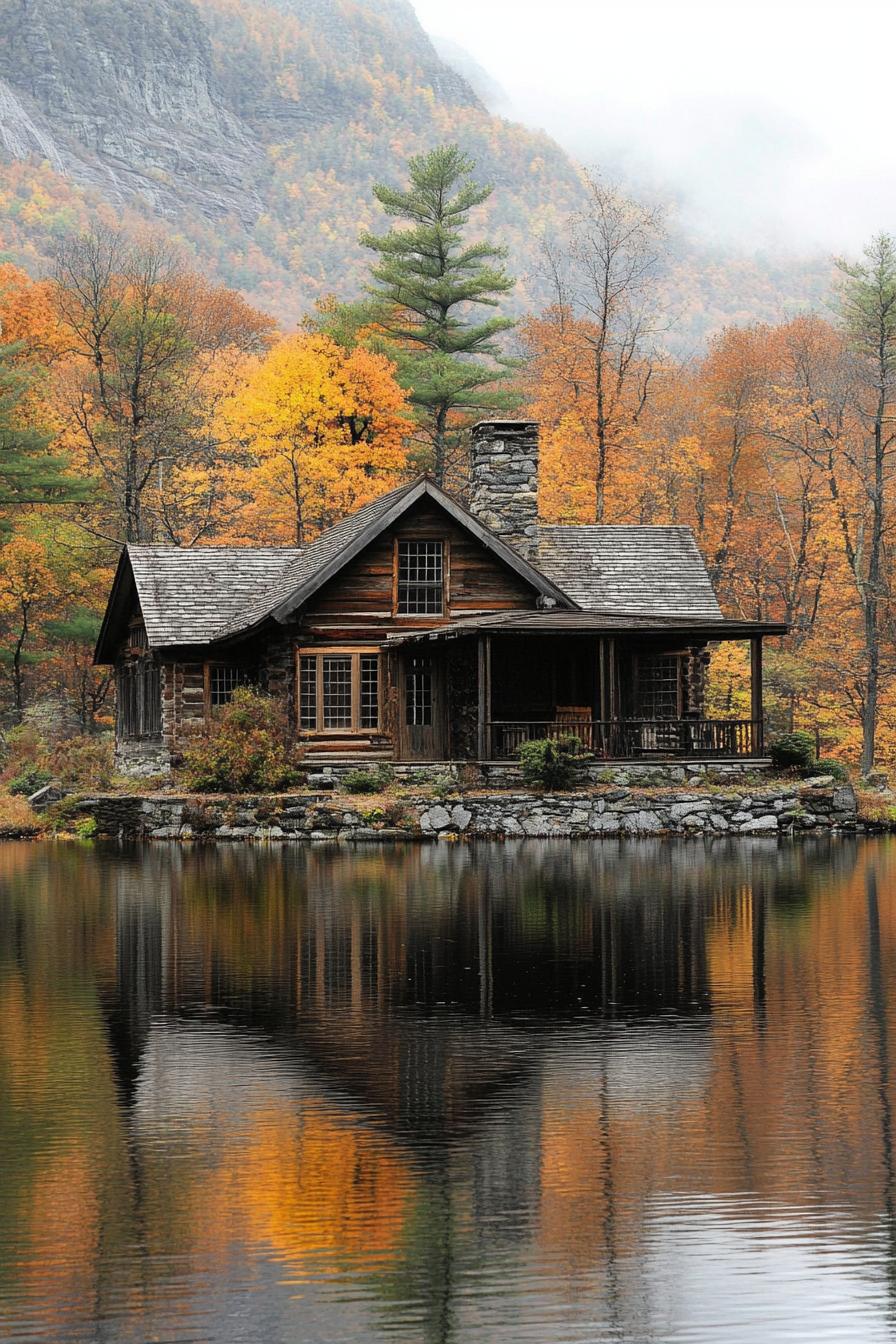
pixel 546 1090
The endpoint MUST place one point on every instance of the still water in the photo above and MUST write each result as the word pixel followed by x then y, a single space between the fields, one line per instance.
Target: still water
pixel 536 1092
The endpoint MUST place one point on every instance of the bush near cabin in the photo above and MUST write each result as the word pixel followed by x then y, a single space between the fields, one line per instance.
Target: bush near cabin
pixel 549 763
pixel 246 750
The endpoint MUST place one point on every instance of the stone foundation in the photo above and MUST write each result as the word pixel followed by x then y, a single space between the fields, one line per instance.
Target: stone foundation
pixel 620 812
pixel 142 760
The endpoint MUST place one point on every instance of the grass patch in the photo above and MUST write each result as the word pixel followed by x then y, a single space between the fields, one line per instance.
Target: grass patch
pixel 875 807
pixel 17 819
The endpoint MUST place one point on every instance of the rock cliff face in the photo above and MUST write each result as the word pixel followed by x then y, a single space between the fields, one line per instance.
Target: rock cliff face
pixel 121 95
pixel 255 130
pixel 124 95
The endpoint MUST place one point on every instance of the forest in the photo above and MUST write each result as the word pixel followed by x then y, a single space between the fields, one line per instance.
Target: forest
pixel 141 401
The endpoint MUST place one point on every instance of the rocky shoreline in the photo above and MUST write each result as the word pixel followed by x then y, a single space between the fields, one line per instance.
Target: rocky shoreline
pixel 810 806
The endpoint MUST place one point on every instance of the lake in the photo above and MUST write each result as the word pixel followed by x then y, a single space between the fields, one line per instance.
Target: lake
pixel 543 1091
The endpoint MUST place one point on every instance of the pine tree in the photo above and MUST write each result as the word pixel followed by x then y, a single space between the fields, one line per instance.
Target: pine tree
pixel 29 474
pixel 429 280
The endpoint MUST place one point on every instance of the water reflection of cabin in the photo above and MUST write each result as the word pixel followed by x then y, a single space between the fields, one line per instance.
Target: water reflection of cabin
pixel 424 629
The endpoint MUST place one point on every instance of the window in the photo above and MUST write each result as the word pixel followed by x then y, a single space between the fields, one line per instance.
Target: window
pixel 138 700
pixel 418 693
pixel 421 578
pixel 337 692
pixel 370 690
pixel 659 687
pixel 339 689
pixel 138 641
pixel 223 679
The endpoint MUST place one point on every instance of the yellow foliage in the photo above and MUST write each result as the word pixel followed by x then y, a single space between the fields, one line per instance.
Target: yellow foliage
pixel 324 431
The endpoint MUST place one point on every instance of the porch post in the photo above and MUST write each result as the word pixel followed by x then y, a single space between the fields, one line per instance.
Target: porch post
pixel 484 681
pixel 756 711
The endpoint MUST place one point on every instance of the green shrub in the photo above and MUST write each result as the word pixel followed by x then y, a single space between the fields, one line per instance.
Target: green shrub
pixel 85 828
pixel 827 765
pixel 64 817
pixel 793 751
pixel 248 749
pixel 549 762
pixel 32 778
pixel 367 781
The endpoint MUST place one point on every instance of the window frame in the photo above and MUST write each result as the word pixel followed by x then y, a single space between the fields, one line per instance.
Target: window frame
pixel 354 652
pixel 250 679
pixel 426 616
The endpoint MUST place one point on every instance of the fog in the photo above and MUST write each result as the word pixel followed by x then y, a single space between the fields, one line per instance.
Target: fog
pixel 765 124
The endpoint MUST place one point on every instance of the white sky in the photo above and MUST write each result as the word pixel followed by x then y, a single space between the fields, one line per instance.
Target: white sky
pixel 769 123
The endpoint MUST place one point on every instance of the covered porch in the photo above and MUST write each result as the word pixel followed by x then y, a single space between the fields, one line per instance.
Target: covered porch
pixel 627 688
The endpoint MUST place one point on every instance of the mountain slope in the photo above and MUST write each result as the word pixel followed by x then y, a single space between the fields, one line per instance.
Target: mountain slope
pixel 255 130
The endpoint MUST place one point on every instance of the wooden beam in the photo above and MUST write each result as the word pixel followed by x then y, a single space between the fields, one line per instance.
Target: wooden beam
pixel 484 683
pixel 612 698
pixel 756 707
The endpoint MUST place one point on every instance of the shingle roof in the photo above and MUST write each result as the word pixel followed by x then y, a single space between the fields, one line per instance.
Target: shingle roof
pixel 653 571
pixel 308 562
pixel 198 596
pixel 323 555
pixel 187 596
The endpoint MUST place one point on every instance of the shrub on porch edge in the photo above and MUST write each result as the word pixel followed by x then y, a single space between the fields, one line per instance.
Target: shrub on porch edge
pixel 550 762
pixel 246 750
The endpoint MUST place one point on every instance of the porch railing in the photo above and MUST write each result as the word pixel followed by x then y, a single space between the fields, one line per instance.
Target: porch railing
pixel 634 739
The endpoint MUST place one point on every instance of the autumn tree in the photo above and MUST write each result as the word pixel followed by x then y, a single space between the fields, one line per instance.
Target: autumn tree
pixel 325 431
pixel 28 590
pixel 145 334
pixel 30 473
pixel 71 640
pixel 430 282
pixel 602 275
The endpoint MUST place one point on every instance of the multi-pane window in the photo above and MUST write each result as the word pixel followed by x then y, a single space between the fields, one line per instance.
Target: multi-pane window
pixel 308 692
pixel 223 679
pixel 418 693
pixel 339 689
pixel 659 687
pixel 337 692
pixel 421 578
pixel 370 690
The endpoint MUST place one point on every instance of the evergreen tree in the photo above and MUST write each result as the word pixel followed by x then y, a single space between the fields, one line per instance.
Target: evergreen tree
pixel 429 281
pixel 29 474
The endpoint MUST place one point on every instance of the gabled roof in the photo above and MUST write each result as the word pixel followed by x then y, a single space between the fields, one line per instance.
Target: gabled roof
pixel 651 571
pixel 209 594
pixel 339 544
pixel 186 596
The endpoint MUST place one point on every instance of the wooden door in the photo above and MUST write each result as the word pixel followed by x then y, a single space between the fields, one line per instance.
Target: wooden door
pixel 423 722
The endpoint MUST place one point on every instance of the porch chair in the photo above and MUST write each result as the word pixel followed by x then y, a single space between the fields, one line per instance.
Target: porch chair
pixel 576 721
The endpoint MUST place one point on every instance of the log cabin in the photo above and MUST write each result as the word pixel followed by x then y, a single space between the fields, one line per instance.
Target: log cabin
pixel 426 629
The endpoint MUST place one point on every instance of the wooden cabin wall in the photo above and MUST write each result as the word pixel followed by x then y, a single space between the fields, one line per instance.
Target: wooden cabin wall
pixel 358 604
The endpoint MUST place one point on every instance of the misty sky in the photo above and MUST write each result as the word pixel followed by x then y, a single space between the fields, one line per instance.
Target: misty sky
pixel 767 123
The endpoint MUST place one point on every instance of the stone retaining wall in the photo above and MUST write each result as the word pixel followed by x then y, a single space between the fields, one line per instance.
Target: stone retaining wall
pixel 812 806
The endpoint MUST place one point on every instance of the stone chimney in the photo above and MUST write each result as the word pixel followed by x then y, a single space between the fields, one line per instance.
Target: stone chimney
pixel 504 481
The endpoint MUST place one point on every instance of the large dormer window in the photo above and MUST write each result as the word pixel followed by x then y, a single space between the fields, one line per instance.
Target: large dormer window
pixel 420 588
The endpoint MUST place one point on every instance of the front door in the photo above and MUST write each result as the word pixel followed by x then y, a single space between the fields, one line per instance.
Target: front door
pixel 423 724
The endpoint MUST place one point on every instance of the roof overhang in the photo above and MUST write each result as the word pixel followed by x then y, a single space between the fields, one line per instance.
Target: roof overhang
pixel 593 622
pixel 424 487
pixel 118 610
